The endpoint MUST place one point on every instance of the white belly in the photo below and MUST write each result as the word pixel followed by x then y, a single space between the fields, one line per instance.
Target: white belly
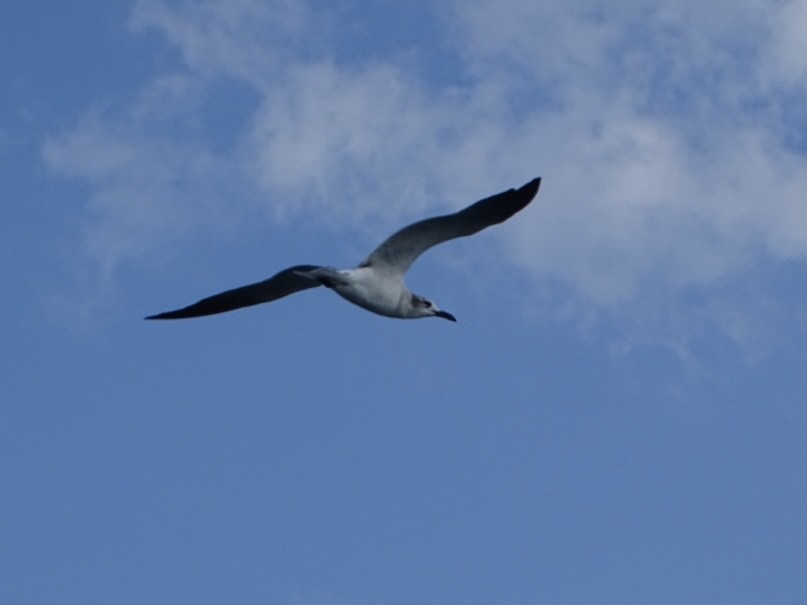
pixel 375 292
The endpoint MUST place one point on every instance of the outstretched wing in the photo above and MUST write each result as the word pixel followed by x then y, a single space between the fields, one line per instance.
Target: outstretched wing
pixel 401 249
pixel 279 285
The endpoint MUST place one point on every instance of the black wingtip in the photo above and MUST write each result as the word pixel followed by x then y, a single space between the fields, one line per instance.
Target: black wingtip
pixel 178 314
pixel 531 188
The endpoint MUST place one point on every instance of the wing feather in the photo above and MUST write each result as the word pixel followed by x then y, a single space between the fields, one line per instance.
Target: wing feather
pixel 401 249
pixel 279 285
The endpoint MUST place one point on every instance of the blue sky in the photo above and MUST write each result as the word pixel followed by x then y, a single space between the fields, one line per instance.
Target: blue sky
pixel 619 415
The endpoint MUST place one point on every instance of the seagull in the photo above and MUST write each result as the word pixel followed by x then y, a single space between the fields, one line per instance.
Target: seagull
pixel 377 284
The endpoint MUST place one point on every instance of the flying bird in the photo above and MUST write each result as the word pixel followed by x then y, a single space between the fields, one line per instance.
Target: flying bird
pixel 377 284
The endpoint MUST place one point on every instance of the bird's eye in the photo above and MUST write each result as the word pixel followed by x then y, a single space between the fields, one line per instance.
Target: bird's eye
pixel 427 303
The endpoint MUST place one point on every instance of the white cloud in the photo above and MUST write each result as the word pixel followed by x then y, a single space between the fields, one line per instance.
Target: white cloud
pixel 351 133
pixel 664 133
pixel 244 39
pixel 149 187
pixel 667 161
pixel 787 53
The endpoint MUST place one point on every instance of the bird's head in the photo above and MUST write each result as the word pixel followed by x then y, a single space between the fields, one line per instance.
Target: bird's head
pixel 423 307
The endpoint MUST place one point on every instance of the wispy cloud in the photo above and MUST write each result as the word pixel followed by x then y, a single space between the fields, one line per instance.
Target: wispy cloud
pixel 670 140
pixel 671 151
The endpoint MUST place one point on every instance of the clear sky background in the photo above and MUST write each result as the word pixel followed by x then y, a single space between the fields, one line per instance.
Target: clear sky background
pixel 620 414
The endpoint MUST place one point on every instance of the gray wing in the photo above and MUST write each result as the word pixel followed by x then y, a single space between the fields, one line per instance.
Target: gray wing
pixel 279 285
pixel 402 248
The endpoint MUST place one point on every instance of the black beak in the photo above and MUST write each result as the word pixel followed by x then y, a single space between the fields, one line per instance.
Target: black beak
pixel 445 315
